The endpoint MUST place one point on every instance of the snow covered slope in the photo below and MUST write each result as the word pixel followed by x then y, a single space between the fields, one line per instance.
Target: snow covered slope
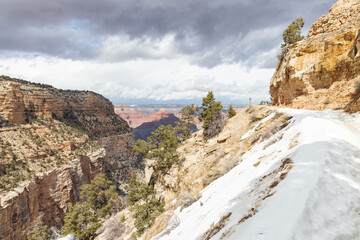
pixel 302 183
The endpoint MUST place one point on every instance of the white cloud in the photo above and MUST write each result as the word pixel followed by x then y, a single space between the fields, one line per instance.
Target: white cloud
pixel 162 79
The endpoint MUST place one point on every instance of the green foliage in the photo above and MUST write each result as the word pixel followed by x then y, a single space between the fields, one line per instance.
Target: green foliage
pixel 141 148
pixel 183 126
pixel 211 116
pixel 182 130
pixel 40 232
pixel 188 113
pixel 146 213
pixel 292 33
pixel 138 190
pixel 161 145
pixel 97 201
pixel 82 221
pixel 231 111
pixel 211 111
pixel 265 103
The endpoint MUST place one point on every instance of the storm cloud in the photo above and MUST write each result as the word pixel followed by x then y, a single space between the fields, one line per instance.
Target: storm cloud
pixel 206 33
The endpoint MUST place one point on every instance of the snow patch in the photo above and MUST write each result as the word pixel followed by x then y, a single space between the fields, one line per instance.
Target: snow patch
pixel 305 190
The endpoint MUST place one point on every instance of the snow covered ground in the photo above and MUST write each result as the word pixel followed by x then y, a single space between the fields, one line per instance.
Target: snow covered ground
pixel 302 183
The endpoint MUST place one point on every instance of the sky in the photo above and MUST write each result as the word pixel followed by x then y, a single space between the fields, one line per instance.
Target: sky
pixel 158 51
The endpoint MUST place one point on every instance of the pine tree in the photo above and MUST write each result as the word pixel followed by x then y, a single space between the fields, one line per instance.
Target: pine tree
pixel 161 145
pixel 211 116
pixel 97 200
pixel 211 111
pixel 138 190
pixel 231 111
pixel 292 33
pixel 183 126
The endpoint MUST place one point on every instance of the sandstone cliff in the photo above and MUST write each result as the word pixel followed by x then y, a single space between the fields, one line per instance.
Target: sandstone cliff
pixel 53 141
pixel 323 71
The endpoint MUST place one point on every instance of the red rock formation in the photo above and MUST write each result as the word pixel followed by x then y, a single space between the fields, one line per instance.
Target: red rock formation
pixel 159 118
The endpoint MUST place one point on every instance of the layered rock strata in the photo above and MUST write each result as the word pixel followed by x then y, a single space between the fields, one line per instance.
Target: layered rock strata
pixel 49 192
pixel 323 71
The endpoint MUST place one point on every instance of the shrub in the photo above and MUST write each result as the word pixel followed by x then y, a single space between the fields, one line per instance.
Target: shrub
pixel 216 126
pixel 97 200
pixel 146 210
pixel 40 232
pixel 231 111
pixel 146 213
pixel 138 190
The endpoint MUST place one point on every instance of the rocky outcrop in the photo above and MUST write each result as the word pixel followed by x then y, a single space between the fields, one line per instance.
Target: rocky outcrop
pixel 22 101
pixel 38 112
pixel 323 71
pixel 48 194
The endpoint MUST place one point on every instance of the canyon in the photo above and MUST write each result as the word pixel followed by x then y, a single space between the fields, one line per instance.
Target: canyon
pixel 59 140
pixel 275 173
pixel 287 171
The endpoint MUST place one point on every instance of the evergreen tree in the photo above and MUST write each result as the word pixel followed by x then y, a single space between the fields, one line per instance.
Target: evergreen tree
pixel 231 111
pixel 97 201
pixel 161 145
pixel 183 126
pixel 211 116
pixel 146 213
pixel 292 33
pixel 188 113
pixel 211 111
pixel 138 190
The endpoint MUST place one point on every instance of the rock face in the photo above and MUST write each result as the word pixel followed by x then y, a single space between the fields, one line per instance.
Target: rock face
pixel 22 101
pixel 132 115
pixel 159 118
pixel 136 115
pixel 48 193
pixel 323 71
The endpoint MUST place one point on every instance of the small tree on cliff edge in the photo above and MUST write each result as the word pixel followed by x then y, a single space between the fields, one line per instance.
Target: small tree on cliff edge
pixel 211 116
pixel 292 33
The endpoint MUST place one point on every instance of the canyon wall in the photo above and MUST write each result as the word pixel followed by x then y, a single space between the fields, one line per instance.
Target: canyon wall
pixel 49 192
pixel 323 71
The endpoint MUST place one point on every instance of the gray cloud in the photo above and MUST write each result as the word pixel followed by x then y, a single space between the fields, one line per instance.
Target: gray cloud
pixel 206 32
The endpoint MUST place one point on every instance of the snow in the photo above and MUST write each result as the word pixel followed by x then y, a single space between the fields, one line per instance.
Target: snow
pixel 318 199
pixel 69 237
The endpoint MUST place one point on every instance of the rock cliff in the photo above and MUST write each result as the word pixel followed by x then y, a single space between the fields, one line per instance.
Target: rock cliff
pixel 323 71
pixel 52 142
pixel 160 118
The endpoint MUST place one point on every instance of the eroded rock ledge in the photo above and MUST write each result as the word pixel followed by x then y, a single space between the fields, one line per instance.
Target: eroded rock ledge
pixel 49 192
pixel 323 71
